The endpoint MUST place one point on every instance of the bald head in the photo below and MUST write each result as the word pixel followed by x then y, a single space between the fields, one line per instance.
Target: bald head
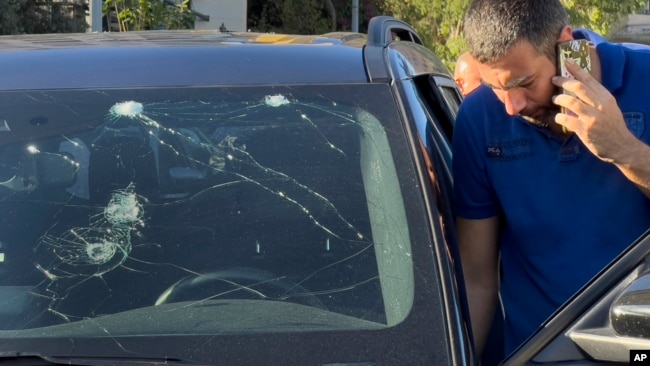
pixel 466 73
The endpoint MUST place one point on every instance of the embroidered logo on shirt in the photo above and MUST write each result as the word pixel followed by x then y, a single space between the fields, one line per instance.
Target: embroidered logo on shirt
pixel 635 122
pixel 570 150
pixel 509 150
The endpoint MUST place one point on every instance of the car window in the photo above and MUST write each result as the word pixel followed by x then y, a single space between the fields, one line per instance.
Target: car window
pixel 450 94
pixel 251 198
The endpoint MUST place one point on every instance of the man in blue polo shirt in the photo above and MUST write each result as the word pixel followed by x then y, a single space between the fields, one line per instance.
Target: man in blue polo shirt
pixel 555 195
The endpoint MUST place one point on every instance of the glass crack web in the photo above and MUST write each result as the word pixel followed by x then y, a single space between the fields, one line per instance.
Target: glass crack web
pixel 90 252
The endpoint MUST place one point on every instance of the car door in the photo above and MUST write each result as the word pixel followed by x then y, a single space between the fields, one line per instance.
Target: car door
pixel 606 322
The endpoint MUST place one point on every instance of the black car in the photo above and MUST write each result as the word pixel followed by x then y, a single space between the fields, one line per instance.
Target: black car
pixel 186 197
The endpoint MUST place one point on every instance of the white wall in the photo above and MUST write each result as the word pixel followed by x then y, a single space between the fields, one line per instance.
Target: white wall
pixel 232 13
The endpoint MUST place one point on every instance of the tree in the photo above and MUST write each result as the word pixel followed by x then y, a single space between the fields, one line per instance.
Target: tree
pixel 292 16
pixel 598 15
pixel 133 15
pixel 42 16
pixel 305 17
pixel 440 22
pixel 264 15
pixel 367 10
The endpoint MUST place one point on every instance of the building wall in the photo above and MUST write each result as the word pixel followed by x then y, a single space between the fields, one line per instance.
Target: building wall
pixel 635 28
pixel 231 13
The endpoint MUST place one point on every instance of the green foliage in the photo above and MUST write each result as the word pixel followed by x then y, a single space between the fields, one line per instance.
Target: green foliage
pixel 291 16
pixel 134 15
pixel 41 16
pixel 440 22
pixel 264 15
pixel 305 16
pixel 599 15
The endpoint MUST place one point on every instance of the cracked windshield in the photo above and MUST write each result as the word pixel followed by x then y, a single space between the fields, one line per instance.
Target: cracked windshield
pixel 183 203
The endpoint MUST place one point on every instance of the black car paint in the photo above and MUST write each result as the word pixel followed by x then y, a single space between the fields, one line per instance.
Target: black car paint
pixel 434 333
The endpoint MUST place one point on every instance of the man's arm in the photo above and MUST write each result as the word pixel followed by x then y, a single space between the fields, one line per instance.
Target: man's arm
pixel 598 121
pixel 634 162
pixel 479 252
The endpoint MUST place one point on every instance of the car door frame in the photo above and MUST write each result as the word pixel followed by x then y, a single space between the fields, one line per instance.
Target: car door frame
pixel 584 312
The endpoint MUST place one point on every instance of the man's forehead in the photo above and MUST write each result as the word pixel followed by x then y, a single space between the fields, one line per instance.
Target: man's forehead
pixel 506 82
pixel 506 75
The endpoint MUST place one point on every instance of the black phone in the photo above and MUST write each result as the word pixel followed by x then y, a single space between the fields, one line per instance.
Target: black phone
pixel 578 51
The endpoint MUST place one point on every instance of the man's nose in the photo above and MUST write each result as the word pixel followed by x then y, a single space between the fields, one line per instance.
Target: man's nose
pixel 515 101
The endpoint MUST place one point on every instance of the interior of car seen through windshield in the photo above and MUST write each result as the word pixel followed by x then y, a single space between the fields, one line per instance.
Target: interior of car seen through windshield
pixel 190 200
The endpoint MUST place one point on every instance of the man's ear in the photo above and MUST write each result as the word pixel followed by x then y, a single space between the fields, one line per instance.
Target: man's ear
pixel 566 34
pixel 460 83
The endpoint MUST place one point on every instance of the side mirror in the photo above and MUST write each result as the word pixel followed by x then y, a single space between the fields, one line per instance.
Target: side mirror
pixel 630 312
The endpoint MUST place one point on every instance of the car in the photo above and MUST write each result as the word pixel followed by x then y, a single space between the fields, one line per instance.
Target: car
pixel 239 198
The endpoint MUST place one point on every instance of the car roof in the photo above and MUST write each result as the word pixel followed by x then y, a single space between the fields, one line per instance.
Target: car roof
pixel 178 58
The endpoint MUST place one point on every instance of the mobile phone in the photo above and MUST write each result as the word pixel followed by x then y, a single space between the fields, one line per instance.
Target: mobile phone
pixel 578 51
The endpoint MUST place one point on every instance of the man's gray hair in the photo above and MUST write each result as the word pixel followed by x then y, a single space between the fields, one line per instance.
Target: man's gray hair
pixel 493 26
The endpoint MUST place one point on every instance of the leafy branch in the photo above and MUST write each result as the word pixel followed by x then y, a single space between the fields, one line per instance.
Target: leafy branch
pixel 131 15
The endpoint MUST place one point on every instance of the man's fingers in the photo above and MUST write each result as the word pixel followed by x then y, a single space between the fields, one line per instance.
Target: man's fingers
pixel 569 122
pixel 584 76
pixel 578 88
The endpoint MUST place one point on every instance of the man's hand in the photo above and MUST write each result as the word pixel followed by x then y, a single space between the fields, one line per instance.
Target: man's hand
pixel 595 116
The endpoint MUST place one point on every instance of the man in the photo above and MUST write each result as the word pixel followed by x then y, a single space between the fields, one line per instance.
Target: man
pixel 466 74
pixel 557 206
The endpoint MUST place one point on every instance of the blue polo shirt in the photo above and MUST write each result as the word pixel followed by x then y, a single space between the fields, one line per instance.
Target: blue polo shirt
pixel 565 213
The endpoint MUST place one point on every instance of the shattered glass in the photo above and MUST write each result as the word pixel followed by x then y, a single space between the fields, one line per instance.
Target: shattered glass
pixel 118 200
